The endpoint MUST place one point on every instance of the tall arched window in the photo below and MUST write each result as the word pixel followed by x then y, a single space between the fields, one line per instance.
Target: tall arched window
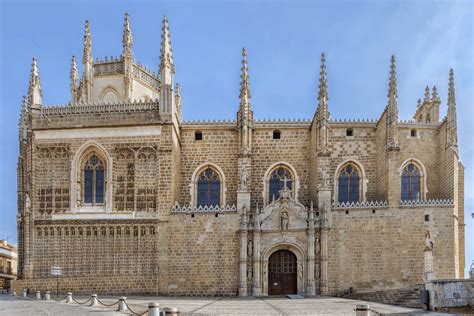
pixel 209 188
pixel 411 179
pixel 94 181
pixel 349 184
pixel 279 178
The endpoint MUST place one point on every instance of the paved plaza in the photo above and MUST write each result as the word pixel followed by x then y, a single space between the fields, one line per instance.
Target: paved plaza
pixel 10 305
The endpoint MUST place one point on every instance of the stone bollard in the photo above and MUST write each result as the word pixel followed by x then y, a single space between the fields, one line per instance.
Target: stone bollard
pixel 153 309
pixel 38 295
pixel 94 300
pixel 362 310
pixel 47 296
pixel 122 307
pixel 14 293
pixel 170 311
pixel 25 293
pixel 69 297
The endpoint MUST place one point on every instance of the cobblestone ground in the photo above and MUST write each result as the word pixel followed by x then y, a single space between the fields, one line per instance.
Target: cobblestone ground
pixel 10 305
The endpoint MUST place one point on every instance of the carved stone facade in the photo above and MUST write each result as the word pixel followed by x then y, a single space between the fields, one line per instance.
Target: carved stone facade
pixel 127 198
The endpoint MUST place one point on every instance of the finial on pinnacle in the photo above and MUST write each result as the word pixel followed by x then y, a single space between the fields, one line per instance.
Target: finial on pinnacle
pixel 244 83
pixel 434 95
pixel 127 37
pixel 451 94
pixel 392 86
pixel 323 89
pixel 87 58
pixel 418 103
pixel 166 52
pixel 427 94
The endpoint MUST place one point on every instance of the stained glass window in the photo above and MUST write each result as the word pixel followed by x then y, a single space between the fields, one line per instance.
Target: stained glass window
pixel 94 181
pixel 411 177
pixel 278 179
pixel 348 184
pixel 209 188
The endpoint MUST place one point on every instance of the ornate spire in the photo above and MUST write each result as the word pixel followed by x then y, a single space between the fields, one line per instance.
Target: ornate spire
pixel 166 52
pixel 73 77
pixel 418 103
pixel 127 40
pixel 427 95
pixel 244 79
pixel 322 113
pixel 323 88
pixel 35 93
pixel 392 84
pixel 392 108
pixel 87 56
pixel 451 117
pixel 245 114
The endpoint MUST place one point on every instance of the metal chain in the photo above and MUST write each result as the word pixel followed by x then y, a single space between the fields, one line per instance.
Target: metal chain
pixel 80 302
pixel 33 296
pixel 60 299
pixel 135 313
pixel 107 305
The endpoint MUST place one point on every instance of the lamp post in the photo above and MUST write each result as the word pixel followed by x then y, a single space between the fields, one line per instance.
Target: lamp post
pixel 56 271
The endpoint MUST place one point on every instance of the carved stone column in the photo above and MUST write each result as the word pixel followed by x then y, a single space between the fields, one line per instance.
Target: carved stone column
pixel 311 287
pixel 256 286
pixel 243 253
pixel 324 204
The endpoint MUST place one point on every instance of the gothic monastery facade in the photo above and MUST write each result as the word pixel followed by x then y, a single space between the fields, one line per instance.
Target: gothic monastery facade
pixel 127 197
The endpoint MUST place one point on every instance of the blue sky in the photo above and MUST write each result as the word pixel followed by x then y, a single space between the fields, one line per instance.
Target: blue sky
pixel 284 40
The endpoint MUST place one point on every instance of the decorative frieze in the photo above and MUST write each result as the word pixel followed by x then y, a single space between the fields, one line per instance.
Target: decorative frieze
pixel 203 209
pixel 360 205
pixel 432 202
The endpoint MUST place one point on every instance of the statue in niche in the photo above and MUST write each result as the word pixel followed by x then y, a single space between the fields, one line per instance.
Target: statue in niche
pixel 250 249
pixel 285 220
pixel 244 176
pixel 318 245
pixel 300 272
pixel 324 177
pixel 27 204
pixel 316 271
pixel 428 242
pixel 249 273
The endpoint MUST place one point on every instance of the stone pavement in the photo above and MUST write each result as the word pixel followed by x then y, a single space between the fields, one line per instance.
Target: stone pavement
pixel 10 305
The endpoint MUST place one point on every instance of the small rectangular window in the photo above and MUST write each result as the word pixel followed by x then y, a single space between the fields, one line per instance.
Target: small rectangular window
pixel 427 218
pixel 198 135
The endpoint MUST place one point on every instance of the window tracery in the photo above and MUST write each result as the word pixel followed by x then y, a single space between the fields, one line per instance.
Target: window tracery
pixel 349 184
pixel 280 178
pixel 411 183
pixel 208 188
pixel 94 181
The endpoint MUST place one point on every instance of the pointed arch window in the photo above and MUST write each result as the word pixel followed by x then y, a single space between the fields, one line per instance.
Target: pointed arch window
pixel 411 183
pixel 94 181
pixel 209 188
pixel 279 178
pixel 349 184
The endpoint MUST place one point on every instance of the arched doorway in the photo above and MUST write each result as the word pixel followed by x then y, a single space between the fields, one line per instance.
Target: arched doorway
pixel 282 273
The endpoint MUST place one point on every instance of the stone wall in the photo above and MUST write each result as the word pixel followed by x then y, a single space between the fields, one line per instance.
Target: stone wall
pixel 450 293
pixel 203 254
pixel 292 149
pixel 377 249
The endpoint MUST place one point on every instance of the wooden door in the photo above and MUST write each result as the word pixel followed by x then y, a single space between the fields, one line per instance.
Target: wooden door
pixel 282 273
